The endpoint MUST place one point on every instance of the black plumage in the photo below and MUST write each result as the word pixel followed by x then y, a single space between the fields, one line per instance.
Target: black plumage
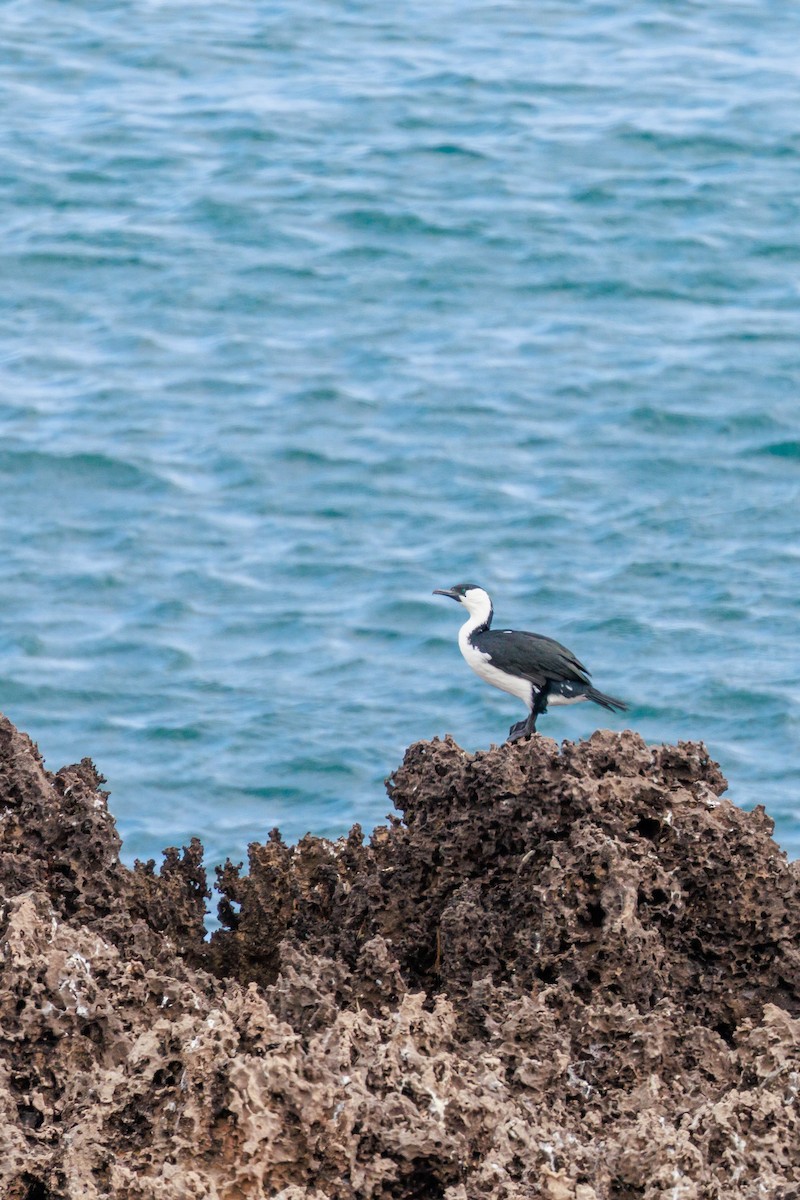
pixel 531 656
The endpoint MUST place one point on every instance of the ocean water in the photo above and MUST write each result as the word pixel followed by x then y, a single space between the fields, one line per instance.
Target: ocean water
pixel 310 308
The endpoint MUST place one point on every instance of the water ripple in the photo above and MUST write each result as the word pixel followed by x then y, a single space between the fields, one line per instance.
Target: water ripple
pixel 309 310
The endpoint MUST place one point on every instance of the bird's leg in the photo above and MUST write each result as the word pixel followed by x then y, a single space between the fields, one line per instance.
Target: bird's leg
pixel 522 729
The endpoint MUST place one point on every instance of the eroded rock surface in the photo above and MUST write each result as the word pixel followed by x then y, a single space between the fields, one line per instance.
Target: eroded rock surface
pixel 564 973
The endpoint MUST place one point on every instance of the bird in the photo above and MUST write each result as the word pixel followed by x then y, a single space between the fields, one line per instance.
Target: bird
pixel 536 669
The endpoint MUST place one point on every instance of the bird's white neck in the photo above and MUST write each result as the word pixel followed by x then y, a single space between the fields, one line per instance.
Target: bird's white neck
pixel 479 606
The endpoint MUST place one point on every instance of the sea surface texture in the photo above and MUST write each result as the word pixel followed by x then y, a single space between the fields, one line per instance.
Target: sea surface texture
pixel 310 308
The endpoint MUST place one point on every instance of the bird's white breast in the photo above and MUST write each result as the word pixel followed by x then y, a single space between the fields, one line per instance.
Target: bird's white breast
pixel 482 665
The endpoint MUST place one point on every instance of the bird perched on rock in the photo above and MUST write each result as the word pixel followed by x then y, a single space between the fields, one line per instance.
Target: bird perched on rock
pixel 538 670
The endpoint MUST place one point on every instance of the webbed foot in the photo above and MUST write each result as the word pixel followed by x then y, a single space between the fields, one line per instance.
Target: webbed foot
pixel 521 730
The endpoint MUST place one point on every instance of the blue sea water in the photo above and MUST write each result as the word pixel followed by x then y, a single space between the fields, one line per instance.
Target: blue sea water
pixel 310 308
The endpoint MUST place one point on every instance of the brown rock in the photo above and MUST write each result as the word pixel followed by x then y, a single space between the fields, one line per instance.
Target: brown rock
pixel 570 974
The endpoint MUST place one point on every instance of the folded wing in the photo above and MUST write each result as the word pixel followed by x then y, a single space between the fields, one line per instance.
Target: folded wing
pixel 531 656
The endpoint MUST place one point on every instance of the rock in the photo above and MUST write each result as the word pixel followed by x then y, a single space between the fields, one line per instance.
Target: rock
pixel 563 973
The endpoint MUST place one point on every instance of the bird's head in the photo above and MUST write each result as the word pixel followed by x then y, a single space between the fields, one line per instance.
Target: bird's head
pixel 474 598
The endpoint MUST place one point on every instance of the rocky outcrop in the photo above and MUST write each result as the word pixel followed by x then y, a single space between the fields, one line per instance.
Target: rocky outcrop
pixel 569 973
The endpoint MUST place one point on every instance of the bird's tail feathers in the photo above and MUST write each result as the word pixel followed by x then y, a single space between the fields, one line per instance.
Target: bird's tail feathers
pixel 609 702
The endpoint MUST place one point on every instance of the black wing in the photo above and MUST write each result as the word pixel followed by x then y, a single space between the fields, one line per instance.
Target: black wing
pixel 531 656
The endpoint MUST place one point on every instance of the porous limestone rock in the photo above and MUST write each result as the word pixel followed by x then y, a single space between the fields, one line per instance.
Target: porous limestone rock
pixel 569 973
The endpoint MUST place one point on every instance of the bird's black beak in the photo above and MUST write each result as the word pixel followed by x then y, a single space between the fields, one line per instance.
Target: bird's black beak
pixel 451 592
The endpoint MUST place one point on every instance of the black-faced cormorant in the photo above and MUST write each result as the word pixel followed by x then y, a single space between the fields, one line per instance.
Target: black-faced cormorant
pixel 539 670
